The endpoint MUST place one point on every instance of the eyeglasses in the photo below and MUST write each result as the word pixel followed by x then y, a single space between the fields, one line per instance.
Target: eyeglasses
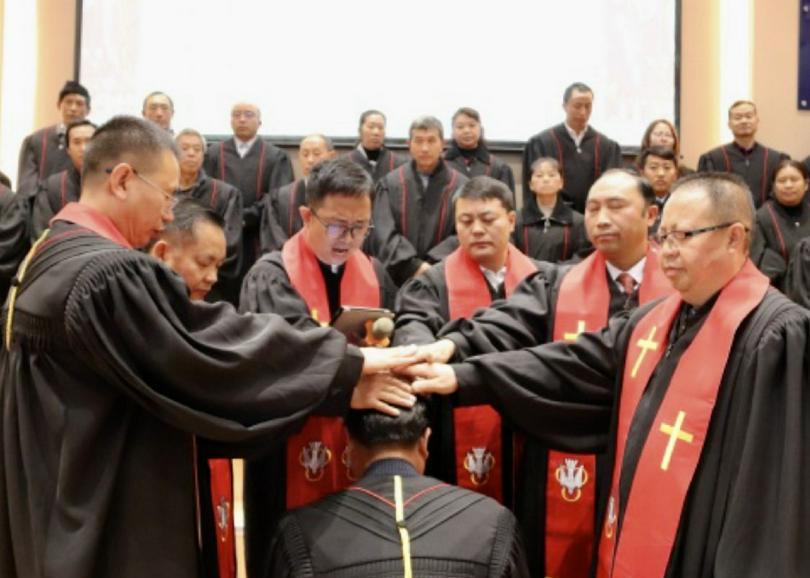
pixel 678 237
pixel 337 231
pixel 171 198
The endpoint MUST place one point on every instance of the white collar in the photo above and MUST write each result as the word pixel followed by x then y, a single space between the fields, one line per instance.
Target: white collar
pixel 577 138
pixel 494 278
pixel 636 271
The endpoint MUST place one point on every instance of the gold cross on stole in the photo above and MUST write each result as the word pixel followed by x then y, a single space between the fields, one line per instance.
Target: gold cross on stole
pixel 573 336
pixel 674 432
pixel 645 345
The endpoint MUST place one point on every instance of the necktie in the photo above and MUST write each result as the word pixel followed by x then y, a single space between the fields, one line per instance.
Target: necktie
pixel 627 282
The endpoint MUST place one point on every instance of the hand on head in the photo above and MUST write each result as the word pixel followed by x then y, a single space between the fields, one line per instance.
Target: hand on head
pixel 430 378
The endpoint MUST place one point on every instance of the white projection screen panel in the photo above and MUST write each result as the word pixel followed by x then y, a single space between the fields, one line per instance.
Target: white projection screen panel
pixel 315 66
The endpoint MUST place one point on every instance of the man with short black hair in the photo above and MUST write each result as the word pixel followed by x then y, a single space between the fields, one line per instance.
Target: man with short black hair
pixel 281 218
pixel 583 153
pixel 399 522
pixel 659 166
pixel 159 108
pixel 744 156
pixel 318 270
pixel 43 152
pixel 700 398
pixel 62 188
pixel 413 208
pixel 108 369
pixel 472 448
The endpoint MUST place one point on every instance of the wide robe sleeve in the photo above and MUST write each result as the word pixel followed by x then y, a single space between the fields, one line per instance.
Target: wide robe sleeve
pixel 202 367
pixel 267 289
pixel 419 309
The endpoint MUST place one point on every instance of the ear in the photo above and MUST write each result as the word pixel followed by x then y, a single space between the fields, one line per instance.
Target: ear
pixel 652 214
pixel 159 250
pixel 738 238
pixel 422 446
pixel 306 214
pixel 512 216
pixel 119 176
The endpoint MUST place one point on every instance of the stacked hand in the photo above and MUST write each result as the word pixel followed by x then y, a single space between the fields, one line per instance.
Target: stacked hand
pixel 387 374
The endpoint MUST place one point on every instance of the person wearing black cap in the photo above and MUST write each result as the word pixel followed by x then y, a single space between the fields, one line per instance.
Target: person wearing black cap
pixel 43 152
pixel 395 521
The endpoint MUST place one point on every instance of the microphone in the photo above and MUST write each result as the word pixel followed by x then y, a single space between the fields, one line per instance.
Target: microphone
pixel 382 329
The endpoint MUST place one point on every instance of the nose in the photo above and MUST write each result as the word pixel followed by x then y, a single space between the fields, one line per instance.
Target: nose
pixel 211 276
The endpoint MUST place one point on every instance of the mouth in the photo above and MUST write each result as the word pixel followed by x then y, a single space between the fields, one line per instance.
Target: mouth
pixel 606 238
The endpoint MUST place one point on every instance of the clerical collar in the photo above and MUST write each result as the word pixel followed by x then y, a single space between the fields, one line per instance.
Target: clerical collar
pixel 93 220
pixel 577 138
pixel 688 316
pixel 636 271
pixel 332 269
pixel 243 147
pixel 391 467
pixel 744 151
pixel 494 278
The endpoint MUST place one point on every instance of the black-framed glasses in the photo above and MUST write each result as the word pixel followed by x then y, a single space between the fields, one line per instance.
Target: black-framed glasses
pixel 678 237
pixel 171 198
pixel 337 231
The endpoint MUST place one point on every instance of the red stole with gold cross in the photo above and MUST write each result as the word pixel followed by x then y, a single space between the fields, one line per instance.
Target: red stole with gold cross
pixel 315 455
pixel 671 453
pixel 478 444
pixel 582 305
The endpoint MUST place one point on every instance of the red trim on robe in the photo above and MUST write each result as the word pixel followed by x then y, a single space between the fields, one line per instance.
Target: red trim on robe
pixel 91 219
pixel 478 443
pixel 315 454
pixel 672 450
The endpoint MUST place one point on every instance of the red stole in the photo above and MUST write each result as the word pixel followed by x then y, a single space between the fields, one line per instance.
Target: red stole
pixel 582 305
pixel 671 453
pixel 478 444
pixel 92 219
pixel 315 455
pixel 222 506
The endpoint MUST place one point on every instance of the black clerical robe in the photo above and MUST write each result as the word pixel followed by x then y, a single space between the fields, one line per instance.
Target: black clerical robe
pixel 580 166
pixel 782 227
pixel 53 194
pixel 111 370
pixel 226 201
pixel 42 154
pixel 797 281
pixel 15 219
pixel 6 197
pixel 268 289
pixel 740 519
pixel 423 307
pixel 756 166
pixel 480 162
pixel 414 224
pixel 558 237
pixel 264 168
pixel 386 162
pixel 452 532
pixel 281 218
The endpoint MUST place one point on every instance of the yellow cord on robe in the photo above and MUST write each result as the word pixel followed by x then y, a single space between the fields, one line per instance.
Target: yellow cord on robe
pixel 12 296
pixel 403 530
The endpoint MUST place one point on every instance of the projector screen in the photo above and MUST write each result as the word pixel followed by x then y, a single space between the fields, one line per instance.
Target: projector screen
pixel 315 66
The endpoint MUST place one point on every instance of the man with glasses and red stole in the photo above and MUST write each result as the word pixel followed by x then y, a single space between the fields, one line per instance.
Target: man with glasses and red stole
pixel 557 491
pixel 701 398
pixel 318 270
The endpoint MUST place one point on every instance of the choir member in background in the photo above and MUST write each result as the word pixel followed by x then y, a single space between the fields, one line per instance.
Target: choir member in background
pixel 744 156
pixel 584 153
pixel 159 108
pixel 43 152
pixel 371 152
pixel 63 187
pixel 318 270
pixel 413 208
pixel 281 218
pixel 547 228
pixel 225 200
pixel 662 133
pixel 659 165
pixel 468 152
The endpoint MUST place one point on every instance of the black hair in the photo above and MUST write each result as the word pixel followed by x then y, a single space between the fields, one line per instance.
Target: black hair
pixel 338 176
pixel 368 113
pixel 642 185
pixel 484 188
pixel 187 214
pixel 371 428
pixel 657 151
pixel 73 87
pixel 4 180
pixel 579 87
pixel 73 125
pixel 126 139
